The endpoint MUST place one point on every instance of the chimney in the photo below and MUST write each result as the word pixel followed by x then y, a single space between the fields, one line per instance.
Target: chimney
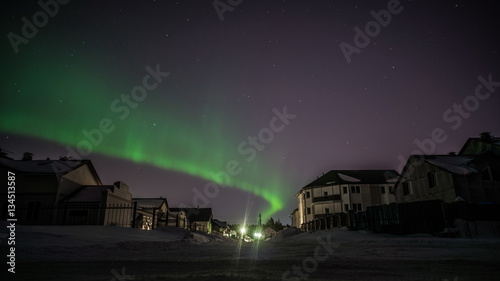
pixel 486 136
pixel 27 156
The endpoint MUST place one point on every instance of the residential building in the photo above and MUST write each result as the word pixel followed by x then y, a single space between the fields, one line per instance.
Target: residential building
pixel 150 212
pixel 98 204
pixel 197 219
pixel 486 142
pixel 64 192
pixel 340 191
pixel 469 178
pixel 43 184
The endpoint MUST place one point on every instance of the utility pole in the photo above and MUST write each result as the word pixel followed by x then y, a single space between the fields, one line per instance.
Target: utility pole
pixel 260 219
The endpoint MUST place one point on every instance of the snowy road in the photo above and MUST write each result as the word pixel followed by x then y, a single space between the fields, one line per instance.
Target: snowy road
pixel 327 255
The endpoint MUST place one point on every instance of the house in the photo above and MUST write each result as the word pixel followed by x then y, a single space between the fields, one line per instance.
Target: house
pixel 150 212
pixel 42 184
pixel 64 192
pixel 486 142
pixel 197 219
pixel 473 178
pixel 86 204
pixel 220 227
pixel 340 191
pixel 177 217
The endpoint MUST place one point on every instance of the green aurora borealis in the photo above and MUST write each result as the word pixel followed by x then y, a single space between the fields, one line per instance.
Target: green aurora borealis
pixel 59 102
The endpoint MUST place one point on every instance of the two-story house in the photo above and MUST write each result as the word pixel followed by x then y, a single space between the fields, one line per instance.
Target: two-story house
pixel 341 191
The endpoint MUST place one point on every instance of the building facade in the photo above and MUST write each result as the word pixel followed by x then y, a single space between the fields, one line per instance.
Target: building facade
pixel 339 192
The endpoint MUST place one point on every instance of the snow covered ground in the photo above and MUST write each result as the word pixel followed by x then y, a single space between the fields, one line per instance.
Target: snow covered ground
pixel 113 253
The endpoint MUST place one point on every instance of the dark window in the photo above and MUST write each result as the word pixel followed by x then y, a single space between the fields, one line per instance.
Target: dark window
pixel 359 207
pixel 353 189
pixel 354 207
pixel 308 194
pixel 406 188
pixel 33 210
pixel 308 211
pixel 327 210
pixel 382 189
pixel 345 189
pixel 346 207
pixel 431 178
pixel 358 189
pixel 325 193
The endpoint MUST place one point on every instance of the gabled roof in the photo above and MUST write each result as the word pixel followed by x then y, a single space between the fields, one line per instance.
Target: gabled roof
pixel 219 223
pixel 47 167
pixel 336 177
pixel 455 164
pixel 195 214
pixel 479 145
pixel 43 166
pixel 150 202
pixel 88 193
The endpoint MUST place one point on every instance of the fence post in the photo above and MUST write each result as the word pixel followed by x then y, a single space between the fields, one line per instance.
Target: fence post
pixel 154 216
pixel 134 213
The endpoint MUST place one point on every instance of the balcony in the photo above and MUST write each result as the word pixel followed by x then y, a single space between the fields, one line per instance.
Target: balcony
pixel 335 197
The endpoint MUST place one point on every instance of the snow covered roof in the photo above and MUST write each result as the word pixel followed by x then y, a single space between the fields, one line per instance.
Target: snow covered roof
pixel 195 214
pixel 453 163
pixel 46 167
pixel 355 177
pixel 89 193
pixel 150 202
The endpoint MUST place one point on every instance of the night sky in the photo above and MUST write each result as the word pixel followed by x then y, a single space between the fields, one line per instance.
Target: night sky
pixel 259 96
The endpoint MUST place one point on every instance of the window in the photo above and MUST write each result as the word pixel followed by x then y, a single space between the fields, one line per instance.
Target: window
pixel 327 210
pixel 382 189
pixel 346 207
pixel 344 189
pixel 431 179
pixel 325 193
pixel 308 211
pixel 407 188
pixel 33 210
pixel 308 194
pixel 356 207
pixel 355 189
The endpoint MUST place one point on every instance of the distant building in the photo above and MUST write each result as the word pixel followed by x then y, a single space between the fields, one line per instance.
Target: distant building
pixel 150 212
pixel 197 219
pixel 340 191
pixel 220 227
